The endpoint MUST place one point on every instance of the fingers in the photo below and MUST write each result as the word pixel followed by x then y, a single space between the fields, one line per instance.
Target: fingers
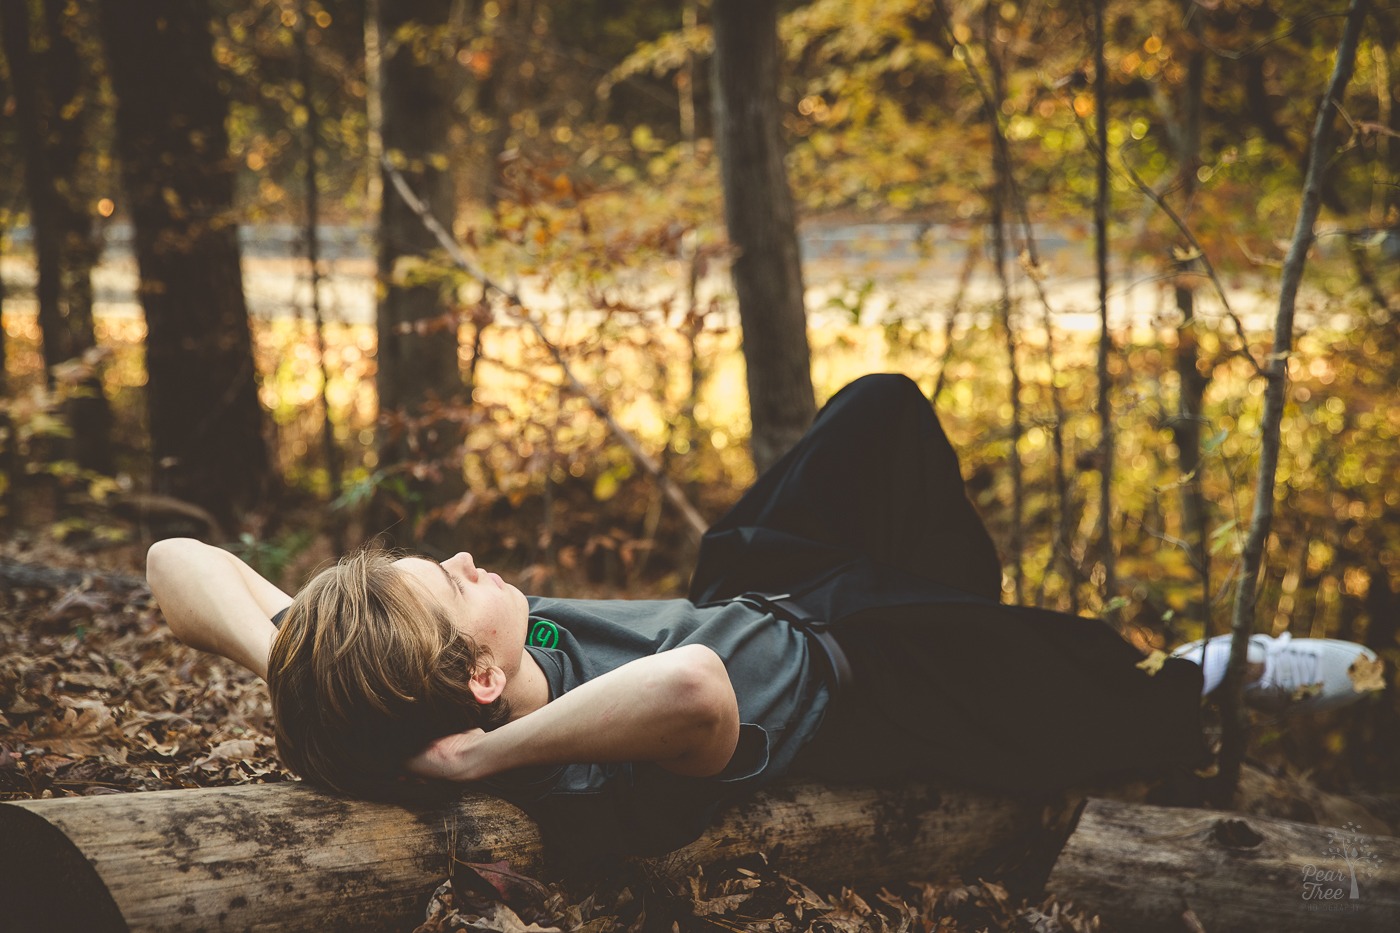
pixel 445 759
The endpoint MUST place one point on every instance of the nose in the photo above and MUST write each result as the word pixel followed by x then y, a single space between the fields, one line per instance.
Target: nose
pixel 463 562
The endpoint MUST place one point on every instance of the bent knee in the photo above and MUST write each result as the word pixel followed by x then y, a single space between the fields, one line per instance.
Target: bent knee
pixel 885 392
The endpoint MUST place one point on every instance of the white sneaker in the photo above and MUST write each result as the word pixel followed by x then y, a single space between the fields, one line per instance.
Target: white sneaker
pixel 1301 675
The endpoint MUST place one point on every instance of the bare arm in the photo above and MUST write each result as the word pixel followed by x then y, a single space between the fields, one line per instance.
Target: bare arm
pixel 676 709
pixel 215 602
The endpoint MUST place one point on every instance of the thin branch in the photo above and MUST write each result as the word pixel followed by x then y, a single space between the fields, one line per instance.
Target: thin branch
pixel 1243 622
pixel 674 493
pixel 974 245
pixel 1157 198
pixel 1262 44
pixel 1185 230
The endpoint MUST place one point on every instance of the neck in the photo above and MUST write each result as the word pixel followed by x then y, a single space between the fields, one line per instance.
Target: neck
pixel 528 690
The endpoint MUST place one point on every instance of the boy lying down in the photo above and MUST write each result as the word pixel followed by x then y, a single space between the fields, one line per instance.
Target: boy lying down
pixel 843 623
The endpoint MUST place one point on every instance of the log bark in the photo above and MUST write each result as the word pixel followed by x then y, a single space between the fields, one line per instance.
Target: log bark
pixel 1141 868
pixel 290 857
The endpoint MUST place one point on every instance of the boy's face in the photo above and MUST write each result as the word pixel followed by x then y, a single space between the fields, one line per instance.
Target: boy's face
pixel 481 604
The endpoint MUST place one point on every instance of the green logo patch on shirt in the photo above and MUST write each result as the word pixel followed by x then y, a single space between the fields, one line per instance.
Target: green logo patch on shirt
pixel 543 634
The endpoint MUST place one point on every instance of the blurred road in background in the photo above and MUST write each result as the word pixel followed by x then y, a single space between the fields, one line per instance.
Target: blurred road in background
pixel 871 272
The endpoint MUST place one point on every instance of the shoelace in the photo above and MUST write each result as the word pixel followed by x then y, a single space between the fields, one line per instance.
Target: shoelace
pixel 1288 668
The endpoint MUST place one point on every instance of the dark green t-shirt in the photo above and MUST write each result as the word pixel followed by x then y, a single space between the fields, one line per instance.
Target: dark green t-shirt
pixel 641 807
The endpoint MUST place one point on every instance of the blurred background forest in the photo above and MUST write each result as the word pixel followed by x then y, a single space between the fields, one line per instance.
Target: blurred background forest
pixel 664 236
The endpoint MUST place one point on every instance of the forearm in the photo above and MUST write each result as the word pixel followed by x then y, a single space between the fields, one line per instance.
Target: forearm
pixel 676 709
pixel 215 602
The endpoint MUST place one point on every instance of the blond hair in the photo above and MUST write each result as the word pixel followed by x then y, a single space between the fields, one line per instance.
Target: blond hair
pixel 366 670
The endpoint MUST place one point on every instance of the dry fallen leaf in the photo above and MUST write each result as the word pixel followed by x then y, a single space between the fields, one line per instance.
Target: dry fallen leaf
pixel 86 728
pixel 22 707
pixel 90 681
pixel 235 749
pixel 1153 662
pixel 719 905
pixel 513 887
pixel 501 919
pixel 1367 676
pixel 79 604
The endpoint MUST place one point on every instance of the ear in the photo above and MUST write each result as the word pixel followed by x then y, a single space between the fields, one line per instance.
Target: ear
pixel 488 684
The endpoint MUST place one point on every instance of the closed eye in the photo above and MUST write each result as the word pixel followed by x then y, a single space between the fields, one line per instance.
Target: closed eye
pixel 453 580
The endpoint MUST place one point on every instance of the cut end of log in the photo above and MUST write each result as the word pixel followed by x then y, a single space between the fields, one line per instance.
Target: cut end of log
pixel 46 883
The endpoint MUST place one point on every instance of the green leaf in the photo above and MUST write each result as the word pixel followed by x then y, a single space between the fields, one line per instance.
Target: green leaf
pixel 1223 535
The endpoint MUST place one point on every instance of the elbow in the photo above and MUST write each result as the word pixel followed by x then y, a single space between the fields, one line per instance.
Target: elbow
pixel 167 563
pixel 163 559
pixel 699 684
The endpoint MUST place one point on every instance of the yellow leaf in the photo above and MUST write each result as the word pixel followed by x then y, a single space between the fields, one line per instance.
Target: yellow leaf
pixel 1153 662
pixel 605 487
pixel 1366 675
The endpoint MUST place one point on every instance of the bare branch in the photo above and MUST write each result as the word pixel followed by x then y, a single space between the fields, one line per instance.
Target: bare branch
pixel 1210 272
pixel 674 493
pixel 1242 624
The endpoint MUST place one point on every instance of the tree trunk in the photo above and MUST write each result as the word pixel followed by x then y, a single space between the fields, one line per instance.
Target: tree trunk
pixel 1392 143
pixel 1186 427
pixel 312 204
pixel 419 380
pixel 501 93
pixel 999 196
pixel 4 337
pixel 9 461
pixel 206 424
pixel 1105 400
pixel 289 857
pixel 759 212
pixel 1141 868
pixel 53 92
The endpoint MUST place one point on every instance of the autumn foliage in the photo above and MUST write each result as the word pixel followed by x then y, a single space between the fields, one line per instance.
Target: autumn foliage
pixel 588 183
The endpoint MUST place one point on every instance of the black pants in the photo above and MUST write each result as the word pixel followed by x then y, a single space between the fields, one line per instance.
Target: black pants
pixel 867 522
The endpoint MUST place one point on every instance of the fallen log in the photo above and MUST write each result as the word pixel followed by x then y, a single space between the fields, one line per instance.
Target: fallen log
pixel 290 857
pixel 1142 868
pixel 43 577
